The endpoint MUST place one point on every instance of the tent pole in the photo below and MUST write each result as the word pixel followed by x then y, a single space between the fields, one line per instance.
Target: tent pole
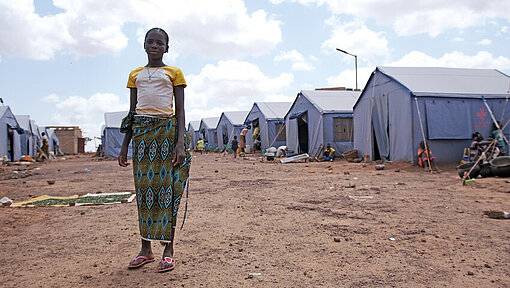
pixel 423 133
pixel 493 118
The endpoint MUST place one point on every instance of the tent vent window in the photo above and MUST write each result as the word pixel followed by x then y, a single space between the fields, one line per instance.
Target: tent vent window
pixel 344 129
pixel 280 132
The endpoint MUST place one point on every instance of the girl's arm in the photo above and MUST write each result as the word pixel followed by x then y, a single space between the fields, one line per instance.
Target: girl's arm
pixel 179 153
pixel 127 137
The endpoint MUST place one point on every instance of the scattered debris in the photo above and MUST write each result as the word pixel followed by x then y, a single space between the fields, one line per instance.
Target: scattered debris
pixel 50 182
pixel 312 171
pixel 362 198
pixel 497 214
pixel 6 201
pixel 392 239
pixel 295 158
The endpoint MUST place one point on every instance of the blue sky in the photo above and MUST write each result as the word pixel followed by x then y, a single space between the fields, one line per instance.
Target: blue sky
pixel 67 62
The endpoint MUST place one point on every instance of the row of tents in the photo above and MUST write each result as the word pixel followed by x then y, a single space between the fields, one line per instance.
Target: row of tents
pixel 21 136
pixel 398 108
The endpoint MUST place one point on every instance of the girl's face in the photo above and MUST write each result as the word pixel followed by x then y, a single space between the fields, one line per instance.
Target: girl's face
pixel 156 45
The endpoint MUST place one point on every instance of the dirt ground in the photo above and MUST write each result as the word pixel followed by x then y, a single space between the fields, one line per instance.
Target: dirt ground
pixel 262 224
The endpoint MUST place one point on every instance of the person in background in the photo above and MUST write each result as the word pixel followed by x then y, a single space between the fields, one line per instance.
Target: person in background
pixel 497 134
pixel 200 145
pixel 234 146
pixel 425 156
pixel 242 138
pixel 329 153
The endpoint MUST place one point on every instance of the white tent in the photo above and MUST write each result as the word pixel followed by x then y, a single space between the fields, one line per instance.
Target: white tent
pixel 207 131
pixel 229 125
pixel 111 138
pixel 321 117
pixel 193 127
pixel 270 117
pixel 10 131
pixel 450 105
pixel 28 140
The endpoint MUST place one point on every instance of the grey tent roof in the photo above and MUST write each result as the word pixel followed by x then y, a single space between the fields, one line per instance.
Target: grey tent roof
pixel 211 122
pixel 3 109
pixel 332 101
pixel 24 122
pixel 273 110
pixel 35 128
pixel 8 117
pixel 194 124
pixel 113 119
pixel 441 80
pixel 236 117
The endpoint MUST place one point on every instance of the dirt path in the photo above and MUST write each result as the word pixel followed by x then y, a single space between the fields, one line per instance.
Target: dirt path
pixel 282 223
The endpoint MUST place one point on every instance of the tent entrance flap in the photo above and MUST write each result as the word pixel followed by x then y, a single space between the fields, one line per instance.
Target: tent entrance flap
pixel 292 136
pixel 302 122
pixel 380 125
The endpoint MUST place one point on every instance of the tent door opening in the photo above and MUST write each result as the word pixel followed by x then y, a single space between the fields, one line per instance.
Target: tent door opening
pixel 10 143
pixel 303 133
pixel 377 155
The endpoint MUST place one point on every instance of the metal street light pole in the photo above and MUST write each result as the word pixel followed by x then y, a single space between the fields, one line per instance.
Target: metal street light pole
pixel 355 64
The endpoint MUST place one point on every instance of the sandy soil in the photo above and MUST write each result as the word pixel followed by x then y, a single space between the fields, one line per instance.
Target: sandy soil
pixel 294 224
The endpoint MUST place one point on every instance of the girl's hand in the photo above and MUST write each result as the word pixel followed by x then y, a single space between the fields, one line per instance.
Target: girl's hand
pixel 123 159
pixel 179 154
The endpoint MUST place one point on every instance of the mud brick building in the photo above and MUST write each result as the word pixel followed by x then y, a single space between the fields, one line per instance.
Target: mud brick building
pixel 71 139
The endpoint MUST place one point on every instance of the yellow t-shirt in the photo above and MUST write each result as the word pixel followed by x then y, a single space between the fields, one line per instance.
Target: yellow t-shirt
pixel 155 89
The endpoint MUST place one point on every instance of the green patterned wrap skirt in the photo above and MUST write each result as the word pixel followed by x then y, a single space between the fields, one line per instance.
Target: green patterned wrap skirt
pixel 159 185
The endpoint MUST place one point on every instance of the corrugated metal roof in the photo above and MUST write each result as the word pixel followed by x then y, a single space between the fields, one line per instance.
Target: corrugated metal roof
pixel 24 122
pixel 194 124
pixel 211 122
pixel 328 101
pixel 236 117
pixel 113 119
pixel 450 80
pixel 273 110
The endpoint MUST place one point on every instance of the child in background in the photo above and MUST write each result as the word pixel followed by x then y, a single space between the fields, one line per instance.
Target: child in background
pixel 497 134
pixel 234 145
pixel 200 145
pixel 477 146
pixel 161 160
pixel 329 153
pixel 425 156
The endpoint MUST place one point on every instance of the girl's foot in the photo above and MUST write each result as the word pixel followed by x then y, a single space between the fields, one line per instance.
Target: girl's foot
pixel 167 263
pixel 141 260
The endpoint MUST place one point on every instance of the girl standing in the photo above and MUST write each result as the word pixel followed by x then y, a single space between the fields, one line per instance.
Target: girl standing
pixel 161 160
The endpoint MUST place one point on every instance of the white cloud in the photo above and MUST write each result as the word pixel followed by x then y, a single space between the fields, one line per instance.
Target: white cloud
pixel 483 60
pixel 91 27
pixel 230 86
pixel 299 61
pixel 292 55
pixel 356 38
pixel 411 18
pixel 87 113
pixel 484 42
pixel 458 39
pixel 52 98
pixel 302 66
pixel 347 78
pixel 456 59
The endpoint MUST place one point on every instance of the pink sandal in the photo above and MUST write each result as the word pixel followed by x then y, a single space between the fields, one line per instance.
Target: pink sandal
pixel 145 261
pixel 167 260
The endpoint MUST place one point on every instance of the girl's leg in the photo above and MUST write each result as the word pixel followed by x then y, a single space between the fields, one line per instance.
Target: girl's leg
pixel 146 251
pixel 168 252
